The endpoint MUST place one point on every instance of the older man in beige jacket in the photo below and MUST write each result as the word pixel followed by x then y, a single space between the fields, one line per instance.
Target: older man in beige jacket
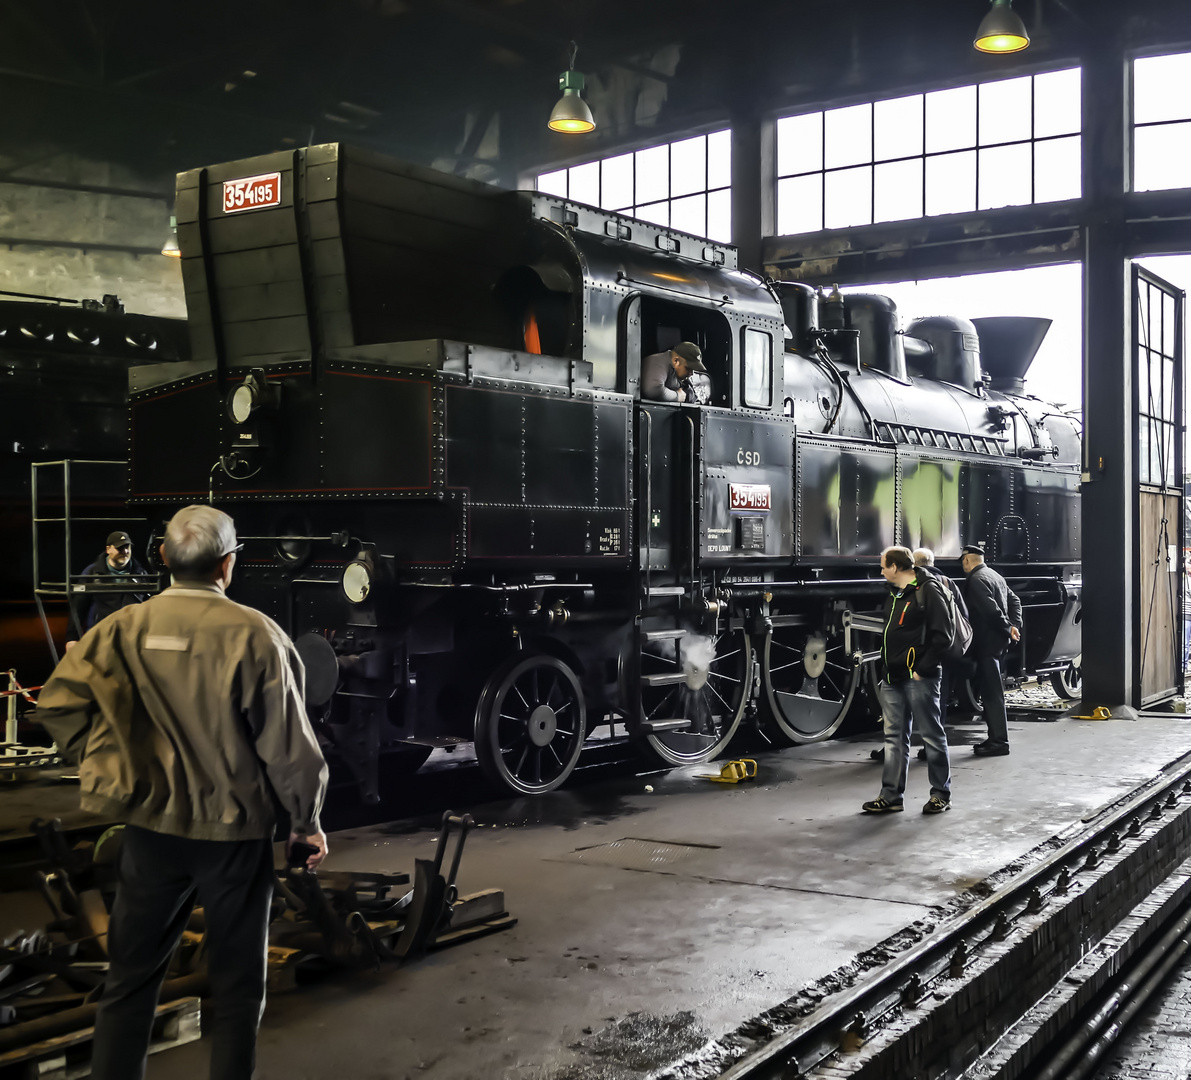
pixel 187 714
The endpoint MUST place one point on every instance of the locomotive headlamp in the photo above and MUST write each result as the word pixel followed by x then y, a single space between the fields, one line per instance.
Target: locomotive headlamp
pixel 1001 30
pixel 571 114
pixel 252 395
pixel 357 579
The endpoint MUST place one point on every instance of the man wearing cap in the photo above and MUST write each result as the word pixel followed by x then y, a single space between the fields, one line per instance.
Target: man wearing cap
pixel 662 373
pixel 115 567
pixel 995 614
pixel 186 715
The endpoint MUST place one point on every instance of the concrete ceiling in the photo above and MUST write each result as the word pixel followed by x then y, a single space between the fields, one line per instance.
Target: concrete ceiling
pixel 466 85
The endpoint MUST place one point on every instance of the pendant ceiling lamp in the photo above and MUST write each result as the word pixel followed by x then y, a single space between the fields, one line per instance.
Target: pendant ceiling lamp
pixel 571 114
pixel 1002 30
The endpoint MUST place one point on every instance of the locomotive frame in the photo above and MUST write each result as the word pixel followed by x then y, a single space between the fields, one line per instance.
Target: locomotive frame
pixel 419 398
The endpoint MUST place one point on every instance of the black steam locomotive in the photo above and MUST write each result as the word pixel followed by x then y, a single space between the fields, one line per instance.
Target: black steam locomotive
pixel 419 398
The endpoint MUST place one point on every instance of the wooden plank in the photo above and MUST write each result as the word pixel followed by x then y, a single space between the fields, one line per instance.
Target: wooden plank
pixel 266 336
pixel 407 229
pixel 261 266
pixel 274 300
pixel 1161 612
pixel 253 229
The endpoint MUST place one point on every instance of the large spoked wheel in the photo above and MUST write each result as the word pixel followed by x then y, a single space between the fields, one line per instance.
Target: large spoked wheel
pixel 1068 683
pixel 809 683
pixel 694 689
pixel 531 721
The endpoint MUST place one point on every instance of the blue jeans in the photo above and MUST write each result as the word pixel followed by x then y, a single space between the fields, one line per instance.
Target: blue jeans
pixel 902 704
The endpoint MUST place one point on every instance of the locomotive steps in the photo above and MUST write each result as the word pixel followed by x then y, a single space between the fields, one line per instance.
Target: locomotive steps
pixel 1027 981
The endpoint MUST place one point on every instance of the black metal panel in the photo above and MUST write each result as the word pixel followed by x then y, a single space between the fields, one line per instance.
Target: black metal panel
pixel 612 452
pixel 664 506
pixel 930 500
pixel 989 516
pixel 559 440
pixel 1049 503
pixel 746 450
pixel 542 536
pixel 847 500
pixel 485 451
pixel 170 452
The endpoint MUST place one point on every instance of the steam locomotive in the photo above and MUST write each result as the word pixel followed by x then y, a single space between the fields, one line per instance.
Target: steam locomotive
pixel 419 398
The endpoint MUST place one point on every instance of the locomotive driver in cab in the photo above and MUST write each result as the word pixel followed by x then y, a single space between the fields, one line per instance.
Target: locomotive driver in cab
pixel 663 373
pixel 918 628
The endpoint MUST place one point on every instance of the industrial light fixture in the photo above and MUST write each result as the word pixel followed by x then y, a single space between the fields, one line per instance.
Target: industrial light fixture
pixel 571 114
pixel 1001 30
pixel 170 248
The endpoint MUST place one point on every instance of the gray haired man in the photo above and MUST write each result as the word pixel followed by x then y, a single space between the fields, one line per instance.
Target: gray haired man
pixel 187 714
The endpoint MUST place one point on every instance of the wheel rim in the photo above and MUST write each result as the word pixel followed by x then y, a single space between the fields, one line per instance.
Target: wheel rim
pixel 1069 681
pixel 809 682
pixel 530 725
pixel 712 696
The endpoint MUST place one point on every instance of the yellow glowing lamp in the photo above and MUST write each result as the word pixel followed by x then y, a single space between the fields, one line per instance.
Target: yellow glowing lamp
pixel 1001 30
pixel 571 114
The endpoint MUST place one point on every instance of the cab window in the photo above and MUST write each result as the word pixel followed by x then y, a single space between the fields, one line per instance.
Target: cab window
pixel 757 352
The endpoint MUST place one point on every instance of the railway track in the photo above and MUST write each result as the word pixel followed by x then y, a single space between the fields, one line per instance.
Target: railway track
pixel 1022 982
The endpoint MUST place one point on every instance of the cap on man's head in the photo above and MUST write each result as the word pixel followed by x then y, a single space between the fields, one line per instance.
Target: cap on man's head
pixel 692 354
pixel 118 539
pixel 973 549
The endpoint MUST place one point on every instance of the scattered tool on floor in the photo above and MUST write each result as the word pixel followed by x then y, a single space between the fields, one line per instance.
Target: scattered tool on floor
pixel 732 772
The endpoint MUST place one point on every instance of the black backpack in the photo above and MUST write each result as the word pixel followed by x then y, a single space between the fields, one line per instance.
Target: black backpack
pixel 961 629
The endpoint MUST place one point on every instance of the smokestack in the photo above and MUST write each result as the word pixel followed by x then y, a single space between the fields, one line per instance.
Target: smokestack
pixel 1008 345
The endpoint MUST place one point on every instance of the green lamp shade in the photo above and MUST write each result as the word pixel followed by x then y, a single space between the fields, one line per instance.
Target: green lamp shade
pixel 571 114
pixel 1001 30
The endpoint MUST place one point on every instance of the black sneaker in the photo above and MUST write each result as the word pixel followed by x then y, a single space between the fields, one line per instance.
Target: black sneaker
pixel 936 805
pixel 878 754
pixel 883 806
pixel 922 753
pixel 991 749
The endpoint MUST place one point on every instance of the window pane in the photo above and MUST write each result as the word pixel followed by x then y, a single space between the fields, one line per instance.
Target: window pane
pixel 616 185
pixel 653 174
pixel 1143 449
pixel 799 143
pixel 847 136
pixel 690 214
pixel 688 166
pixel 1004 176
pixel 1162 157
pixel 897 127
pixel 585 183
pixel 658 213
pixel 951 183
pixel 1162 88
pixel 1057 170
pixel 1057 103
pixel 756 368
pixel 848 197
pixel 554 183
pixel 719 159
pixel 1004 111
pixel 800 204
pixel 719 216
pixel 951 119
pixel 898 190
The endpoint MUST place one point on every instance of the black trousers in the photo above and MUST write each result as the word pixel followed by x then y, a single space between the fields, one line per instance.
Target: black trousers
pixel 160 879
pixel 992 691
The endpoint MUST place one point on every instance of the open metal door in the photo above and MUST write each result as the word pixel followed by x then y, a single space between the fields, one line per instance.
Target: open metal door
pixel 1158 476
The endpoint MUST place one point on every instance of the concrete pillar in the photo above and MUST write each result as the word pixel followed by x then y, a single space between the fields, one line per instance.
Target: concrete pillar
pixel 749 182
pixel 1110 546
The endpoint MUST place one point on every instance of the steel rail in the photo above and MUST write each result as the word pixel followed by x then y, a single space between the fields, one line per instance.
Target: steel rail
pixel 904 980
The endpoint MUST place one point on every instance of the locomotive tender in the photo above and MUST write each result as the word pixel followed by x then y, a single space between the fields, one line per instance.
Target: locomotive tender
pixel 418 397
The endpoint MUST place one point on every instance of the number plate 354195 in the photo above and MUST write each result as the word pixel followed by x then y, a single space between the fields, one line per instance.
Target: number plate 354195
pixel 252 193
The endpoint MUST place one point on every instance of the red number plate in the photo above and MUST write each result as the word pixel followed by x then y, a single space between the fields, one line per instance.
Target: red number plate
pixel 754 497
pixel 252 193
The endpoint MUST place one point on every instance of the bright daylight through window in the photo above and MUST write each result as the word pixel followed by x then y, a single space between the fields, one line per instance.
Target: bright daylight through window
pixel 1005 143
pixel 685 185
pixel 1162 122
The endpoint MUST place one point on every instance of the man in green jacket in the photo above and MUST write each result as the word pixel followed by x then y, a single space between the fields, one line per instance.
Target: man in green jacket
pixel 186 713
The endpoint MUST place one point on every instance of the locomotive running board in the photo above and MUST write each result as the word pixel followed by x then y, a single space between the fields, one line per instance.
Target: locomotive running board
pixel 663 635
pixel 653 727
pixel 665 678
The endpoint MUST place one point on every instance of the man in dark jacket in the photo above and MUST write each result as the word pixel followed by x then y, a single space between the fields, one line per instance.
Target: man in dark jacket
pixel 116 566
pixel 996 621
pixel 918 631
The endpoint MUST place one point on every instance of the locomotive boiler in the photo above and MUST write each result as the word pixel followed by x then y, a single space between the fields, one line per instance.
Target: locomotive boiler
pixel 418 397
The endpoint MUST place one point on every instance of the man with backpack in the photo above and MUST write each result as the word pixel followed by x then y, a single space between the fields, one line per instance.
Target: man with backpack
pixel 925 559
pixel 996 621
pixel 920 624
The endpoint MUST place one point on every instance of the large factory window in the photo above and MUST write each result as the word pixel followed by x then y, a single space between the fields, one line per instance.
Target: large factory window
pixel 757 353
pixel 684 185
pixel 1162 122
pixel 1004 143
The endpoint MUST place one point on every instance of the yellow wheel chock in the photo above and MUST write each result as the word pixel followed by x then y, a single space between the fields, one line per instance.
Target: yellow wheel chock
pixel 1100 712
pixel 732 772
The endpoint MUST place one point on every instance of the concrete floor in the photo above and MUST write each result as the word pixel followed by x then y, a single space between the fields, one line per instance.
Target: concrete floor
pixel 613 971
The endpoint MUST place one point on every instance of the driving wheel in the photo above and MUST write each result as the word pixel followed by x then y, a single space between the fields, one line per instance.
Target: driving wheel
pixel 809 683
pixel 694 688
pixel 1068 683
pixel 531 721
